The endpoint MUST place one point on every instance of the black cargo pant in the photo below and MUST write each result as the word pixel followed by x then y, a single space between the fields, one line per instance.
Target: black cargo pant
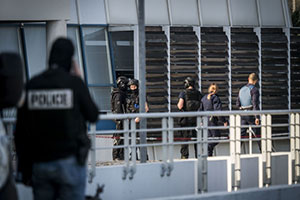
pixel 185 135
pixel 212 133
pixel 118 153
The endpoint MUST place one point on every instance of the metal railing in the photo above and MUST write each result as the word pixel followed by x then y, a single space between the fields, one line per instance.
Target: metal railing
pixel 167 130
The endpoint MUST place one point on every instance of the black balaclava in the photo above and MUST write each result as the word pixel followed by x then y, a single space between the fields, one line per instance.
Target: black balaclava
pixel 61 53
pixel 122 83
pixel 11 79
pixel 136 83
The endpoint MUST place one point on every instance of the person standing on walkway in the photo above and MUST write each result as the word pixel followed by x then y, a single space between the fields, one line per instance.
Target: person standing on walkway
pixel 212 102
pixel 51 134
pixel 248 99
pixel 189 100
pixel 118 106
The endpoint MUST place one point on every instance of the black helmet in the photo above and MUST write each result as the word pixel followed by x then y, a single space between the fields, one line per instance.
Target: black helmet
pixel 189 81
pixel 133 82
pixel 122 82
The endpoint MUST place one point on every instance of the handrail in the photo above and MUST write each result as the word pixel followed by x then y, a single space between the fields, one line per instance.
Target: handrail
pixel 195 114
pixel 167 129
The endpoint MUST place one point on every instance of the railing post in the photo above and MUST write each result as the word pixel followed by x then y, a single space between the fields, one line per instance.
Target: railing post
pixel 293 145
pixel 126 148
pixel 250 140
pixel 92 172
pixel 264 146
pixel 199 154
pixel 269 150
pixel 164 143
pixel 237 169
pixel 132 169
pixel 232 146
pixel 204 155
pixel 297 161
pixel 171 147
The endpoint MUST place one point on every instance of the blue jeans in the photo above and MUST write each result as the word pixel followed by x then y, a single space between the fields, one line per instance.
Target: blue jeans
pixel 62 179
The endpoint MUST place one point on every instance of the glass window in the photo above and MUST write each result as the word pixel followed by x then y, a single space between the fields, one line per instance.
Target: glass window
pixel 101 96
pixel 35 40
pixel 98 68
pixel 96 53
pixel 73 34
pixel 123 53
pixel 9 39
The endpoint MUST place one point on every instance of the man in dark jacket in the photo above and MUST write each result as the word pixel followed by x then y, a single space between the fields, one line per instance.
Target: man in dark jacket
pixel 248 99
pixel 189 100
pixel 118 106
pixel 51 140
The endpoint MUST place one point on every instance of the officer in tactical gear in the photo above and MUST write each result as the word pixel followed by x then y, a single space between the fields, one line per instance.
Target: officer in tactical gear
pixel 118 105
pixel 51 134
pixel 212 102
pixel 132 105
pixel 11 94
pixel 189 100
pixel 248 99
pixel 132 101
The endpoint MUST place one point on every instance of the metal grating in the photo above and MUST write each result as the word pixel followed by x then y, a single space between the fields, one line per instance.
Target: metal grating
pixel 244 59
pixel 275 73
pixel 184 60
pixel 295 67
pixel 156 72
pixel 214 62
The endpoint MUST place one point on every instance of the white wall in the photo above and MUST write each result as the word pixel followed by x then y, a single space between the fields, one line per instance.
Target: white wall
pixel 34 10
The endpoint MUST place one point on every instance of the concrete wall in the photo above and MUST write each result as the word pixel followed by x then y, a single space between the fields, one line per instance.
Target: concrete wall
pixel 34 10
pixel 281 192
pixel 148 182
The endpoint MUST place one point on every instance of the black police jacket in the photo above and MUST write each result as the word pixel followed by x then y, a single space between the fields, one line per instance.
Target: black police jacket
pixel 52 122
pixel 118 101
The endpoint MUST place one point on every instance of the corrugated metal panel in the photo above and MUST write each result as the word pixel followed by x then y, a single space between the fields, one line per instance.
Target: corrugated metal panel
pixel 295 68
pixel 244 59
pixel 156 72
pixel 214 62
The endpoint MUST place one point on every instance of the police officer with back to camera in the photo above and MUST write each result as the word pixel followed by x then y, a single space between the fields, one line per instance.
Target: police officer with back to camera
pixel 189 100
pixel 51 134
pixel 11 86
pixel 212 102
pixel 248 99
pixel 118 105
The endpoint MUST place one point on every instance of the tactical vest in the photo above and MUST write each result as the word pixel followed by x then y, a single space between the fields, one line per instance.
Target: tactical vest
pixel 133 104
pixel 116 93
pixel 245 96
pixel 192 100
